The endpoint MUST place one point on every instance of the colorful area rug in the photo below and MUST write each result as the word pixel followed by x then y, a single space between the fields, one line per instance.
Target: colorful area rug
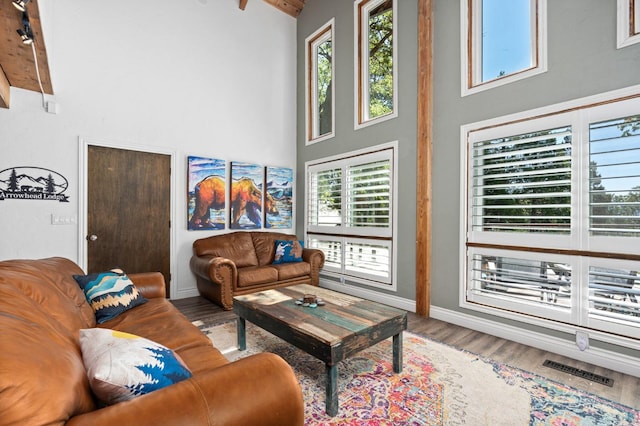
pixel 439 385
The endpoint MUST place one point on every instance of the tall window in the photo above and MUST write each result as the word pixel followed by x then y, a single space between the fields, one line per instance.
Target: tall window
pixel 376 69
pixel 502 41
pixel 553 217
pixel 319 81
pixel 628 22
pixel 350 215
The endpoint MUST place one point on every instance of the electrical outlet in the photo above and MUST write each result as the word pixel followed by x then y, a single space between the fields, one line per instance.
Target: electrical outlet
pixel 63 220
pixel 582 340
pixel 51 107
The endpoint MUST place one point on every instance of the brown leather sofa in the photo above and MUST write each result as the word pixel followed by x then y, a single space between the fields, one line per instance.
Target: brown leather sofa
pixel 43 379
pixel 241 262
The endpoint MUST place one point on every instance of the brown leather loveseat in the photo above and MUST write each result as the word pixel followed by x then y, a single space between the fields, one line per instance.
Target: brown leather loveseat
pixel 43 379
pixel 241 262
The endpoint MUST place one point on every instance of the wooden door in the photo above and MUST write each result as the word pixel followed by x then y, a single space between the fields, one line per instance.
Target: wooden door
pixel 128 218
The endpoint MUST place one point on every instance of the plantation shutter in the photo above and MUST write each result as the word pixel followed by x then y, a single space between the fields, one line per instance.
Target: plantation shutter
pixel 368 190
pixel 614 177
pixel 614 295
pixel 522 183
pixel 325 197
pixel 350 215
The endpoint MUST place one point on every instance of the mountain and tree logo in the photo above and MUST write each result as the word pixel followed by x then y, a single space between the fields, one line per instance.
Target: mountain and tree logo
pixel 32 183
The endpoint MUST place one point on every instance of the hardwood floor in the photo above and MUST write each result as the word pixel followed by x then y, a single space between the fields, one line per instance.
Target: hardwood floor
pixel 625 389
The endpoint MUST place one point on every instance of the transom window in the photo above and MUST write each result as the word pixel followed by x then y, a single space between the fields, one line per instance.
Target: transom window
pixel 553 217
pixel 628 22
pixel 350 215
pixel 319 80
pixel 376 66
pixel 502 41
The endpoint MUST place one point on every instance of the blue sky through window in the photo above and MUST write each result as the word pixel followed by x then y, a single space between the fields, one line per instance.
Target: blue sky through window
pixel 506 37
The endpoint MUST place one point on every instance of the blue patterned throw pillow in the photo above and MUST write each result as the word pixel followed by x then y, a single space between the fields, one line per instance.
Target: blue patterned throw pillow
pixel 121 366
pixel 288 251
pixel 109 293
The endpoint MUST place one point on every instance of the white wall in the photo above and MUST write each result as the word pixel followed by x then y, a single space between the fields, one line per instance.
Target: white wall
pixel 191 77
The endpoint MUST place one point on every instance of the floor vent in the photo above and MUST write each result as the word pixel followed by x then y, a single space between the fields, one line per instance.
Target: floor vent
pixel 580 373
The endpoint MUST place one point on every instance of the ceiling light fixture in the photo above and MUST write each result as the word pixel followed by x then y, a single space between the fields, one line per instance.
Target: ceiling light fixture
pixel 26 33
pixel 21 5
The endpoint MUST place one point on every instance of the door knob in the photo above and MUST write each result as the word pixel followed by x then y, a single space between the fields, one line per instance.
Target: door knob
pixel 92 237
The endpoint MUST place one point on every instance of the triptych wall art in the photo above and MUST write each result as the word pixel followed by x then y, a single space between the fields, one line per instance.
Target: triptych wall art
pixel 257 196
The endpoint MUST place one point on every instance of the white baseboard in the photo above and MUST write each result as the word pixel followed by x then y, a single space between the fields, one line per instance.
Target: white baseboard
pixel 184 293
pixel 600 357
pixel 376 296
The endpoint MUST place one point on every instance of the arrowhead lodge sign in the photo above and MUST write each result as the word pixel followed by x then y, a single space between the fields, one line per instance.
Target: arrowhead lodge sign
pixel 32 183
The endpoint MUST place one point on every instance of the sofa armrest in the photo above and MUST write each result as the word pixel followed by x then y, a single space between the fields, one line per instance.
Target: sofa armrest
pixel 216 278
pixel 233 394
pixel 149 284
pixel 315 258
pixel 217 269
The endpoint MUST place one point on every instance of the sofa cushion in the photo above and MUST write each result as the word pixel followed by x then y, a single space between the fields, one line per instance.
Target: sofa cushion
pixel 159 320
pixel 122 366
pixel 287 271
pixel 288 251
pixel 255 275
pixel 236 246
pixel 109 293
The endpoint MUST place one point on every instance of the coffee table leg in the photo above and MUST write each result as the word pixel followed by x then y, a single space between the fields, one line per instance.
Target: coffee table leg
pixel 331 400
pixel 242 335
pixel 397 353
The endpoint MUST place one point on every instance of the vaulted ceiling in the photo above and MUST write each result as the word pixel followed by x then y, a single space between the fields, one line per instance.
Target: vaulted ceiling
pixel 17 64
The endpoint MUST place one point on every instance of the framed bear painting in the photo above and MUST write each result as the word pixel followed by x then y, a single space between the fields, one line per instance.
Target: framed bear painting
pixel 246 196
pixel 278 202
pixel 206 200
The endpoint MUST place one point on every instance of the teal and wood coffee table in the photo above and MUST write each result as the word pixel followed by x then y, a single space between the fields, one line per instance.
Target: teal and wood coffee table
pixel 333 332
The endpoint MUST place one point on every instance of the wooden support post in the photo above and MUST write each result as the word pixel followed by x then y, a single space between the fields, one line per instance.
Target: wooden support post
pixel 243 4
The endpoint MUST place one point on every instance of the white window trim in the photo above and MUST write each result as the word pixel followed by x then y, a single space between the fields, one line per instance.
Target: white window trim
pixel 539 50
pixel 310 79
pixel 624 36
pixel 596 243
pixel 392 284
pixel 362 65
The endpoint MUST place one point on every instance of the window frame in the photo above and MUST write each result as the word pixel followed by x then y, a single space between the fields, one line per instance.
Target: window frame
pixel 628 23
pixel 345 235
pixel 579 249
pixel 312 119
pixel 361 9
pixel 471 47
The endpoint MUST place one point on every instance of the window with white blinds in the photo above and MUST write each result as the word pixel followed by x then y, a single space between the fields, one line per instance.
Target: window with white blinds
pixel 614 177
pixel 350 210
pixel 552 216
pixel 522 183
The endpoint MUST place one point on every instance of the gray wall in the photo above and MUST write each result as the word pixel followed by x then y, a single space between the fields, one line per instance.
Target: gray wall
pixel 582 61
pixel 403 128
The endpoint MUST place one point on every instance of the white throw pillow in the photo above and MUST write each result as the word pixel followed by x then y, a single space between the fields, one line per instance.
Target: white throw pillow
pixel 121 366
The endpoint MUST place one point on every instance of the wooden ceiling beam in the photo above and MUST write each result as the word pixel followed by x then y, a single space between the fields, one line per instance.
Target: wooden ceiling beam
pixel 290 7
pixel 5 90
pixel 16 58
pixel 243 4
